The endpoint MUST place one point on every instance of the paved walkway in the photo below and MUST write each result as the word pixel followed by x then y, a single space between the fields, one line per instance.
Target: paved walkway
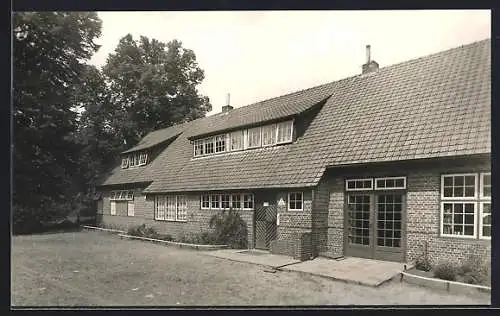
pixel 263 258
pixel 351 270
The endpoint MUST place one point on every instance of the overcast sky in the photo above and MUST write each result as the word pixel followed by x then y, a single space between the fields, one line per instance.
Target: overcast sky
pixel 256 55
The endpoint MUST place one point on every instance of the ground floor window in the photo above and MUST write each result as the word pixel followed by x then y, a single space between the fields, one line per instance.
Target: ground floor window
pixel 227 201
pixel 171 207
pixel 466 205
pixel 122 202
pixel 295 201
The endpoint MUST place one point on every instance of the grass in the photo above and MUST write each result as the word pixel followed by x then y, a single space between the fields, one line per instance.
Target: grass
pixel 98 269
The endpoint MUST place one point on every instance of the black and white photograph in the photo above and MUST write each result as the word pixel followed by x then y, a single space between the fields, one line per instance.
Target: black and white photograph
pixel 176 159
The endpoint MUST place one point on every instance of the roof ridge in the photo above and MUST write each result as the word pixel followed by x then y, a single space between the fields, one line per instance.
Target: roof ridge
pixel 359 75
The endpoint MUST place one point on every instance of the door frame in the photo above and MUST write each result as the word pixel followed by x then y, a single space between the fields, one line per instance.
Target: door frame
pixel 370 251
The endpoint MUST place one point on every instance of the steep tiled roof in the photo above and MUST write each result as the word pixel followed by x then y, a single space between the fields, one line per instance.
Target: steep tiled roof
pixel 157 137
pixel 434 106
pixel 273 109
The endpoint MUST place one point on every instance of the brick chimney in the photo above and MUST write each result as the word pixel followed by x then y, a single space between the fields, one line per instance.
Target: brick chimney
pixel 227 107
pixel 371 65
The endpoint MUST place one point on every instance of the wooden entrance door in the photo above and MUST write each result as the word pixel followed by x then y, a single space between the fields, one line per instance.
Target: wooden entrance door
pixel 265 225
pixel 375 225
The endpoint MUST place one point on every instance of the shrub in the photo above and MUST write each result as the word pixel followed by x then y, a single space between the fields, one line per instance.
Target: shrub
pixel 446 271
pixel 423 265
pixel 229 229
pixel 143 231
pixel 475 270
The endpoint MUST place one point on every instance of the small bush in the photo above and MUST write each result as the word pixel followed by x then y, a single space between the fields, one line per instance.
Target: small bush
pixel 446 271
pixel 143 231
pixel 475 270
pixel 229 229
pixel 423 265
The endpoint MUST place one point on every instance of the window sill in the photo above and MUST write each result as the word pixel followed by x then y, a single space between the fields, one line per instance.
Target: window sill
pixel 171 220
pixel 455 237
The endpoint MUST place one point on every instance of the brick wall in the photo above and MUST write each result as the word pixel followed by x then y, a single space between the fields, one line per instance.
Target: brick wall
pixel 422 207
pixel 294 221
pixel 197 219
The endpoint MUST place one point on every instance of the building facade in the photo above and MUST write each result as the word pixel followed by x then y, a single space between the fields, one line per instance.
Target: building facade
pixel 393 164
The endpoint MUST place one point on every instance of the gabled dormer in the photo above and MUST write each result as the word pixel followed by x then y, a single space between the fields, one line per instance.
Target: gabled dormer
pixel 135 159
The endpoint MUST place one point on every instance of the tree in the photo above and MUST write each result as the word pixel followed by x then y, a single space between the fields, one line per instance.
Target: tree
pixel 154 85
pixel 50 49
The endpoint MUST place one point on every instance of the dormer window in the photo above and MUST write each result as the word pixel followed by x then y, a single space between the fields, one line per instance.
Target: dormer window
pixel 285 131
pixel 220 143
pixel 125 162
pixel 256 137
pixel 135 159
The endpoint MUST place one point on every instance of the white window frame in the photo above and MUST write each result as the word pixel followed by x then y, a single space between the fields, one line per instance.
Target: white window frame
pixel 209 202
pixel 459 198
pixel 237 134
pixel 301 204
pixel 359 189
pixel 218 200
pixel 272 130
pixel 481 186
pixel 390 178
pixel 131 161
pixel 291 132
pixel 249 137
pixel 207 141
pixel 240 201
pixel 164 201
pixel 228 201
pixel 219 138
pixel 199 142
pixel 143 162
pixel 181 208
pixel 481 207
pixel 112 210
pixel 125 162
pixel 243 201
pixel 442 219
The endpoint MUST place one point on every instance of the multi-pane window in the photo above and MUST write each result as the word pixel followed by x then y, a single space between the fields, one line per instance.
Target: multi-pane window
pixel 215 201
pixel 205 201
pixel 220 143
pixel 135 159
pixel 254 137
pixel 125 162
pixel 459 186
pixel 485 206
pixel 236 201
pixel 295 201
pixel 227 201
pixel 237 140
pixel 358 219
pixel 198 147
pixel 171 207
pixel 359 184
pixel 247 201
pixel 284 132
pixel 209 146
pixel 122 202
pixel 466 205
pixel 485 224
pixel 459 219
pixel 269 135
pixel 390 183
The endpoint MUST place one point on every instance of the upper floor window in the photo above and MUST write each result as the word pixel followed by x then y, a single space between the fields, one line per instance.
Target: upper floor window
pixel 237 140
pixel 220 143
pixel 135 159
pixel 267 135
pixel 254 139
pixel 285 131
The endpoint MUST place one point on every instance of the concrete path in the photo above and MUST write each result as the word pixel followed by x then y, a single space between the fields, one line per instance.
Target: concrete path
pixel 351 270
pixel 262 258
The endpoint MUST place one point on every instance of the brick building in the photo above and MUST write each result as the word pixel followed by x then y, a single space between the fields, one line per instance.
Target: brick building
pixel 387 164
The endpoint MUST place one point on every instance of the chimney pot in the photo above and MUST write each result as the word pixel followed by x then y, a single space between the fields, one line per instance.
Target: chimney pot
pixel 371 65
pixel 226 108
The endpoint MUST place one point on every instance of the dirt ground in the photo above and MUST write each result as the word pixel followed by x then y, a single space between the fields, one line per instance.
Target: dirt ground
pixel 97 269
